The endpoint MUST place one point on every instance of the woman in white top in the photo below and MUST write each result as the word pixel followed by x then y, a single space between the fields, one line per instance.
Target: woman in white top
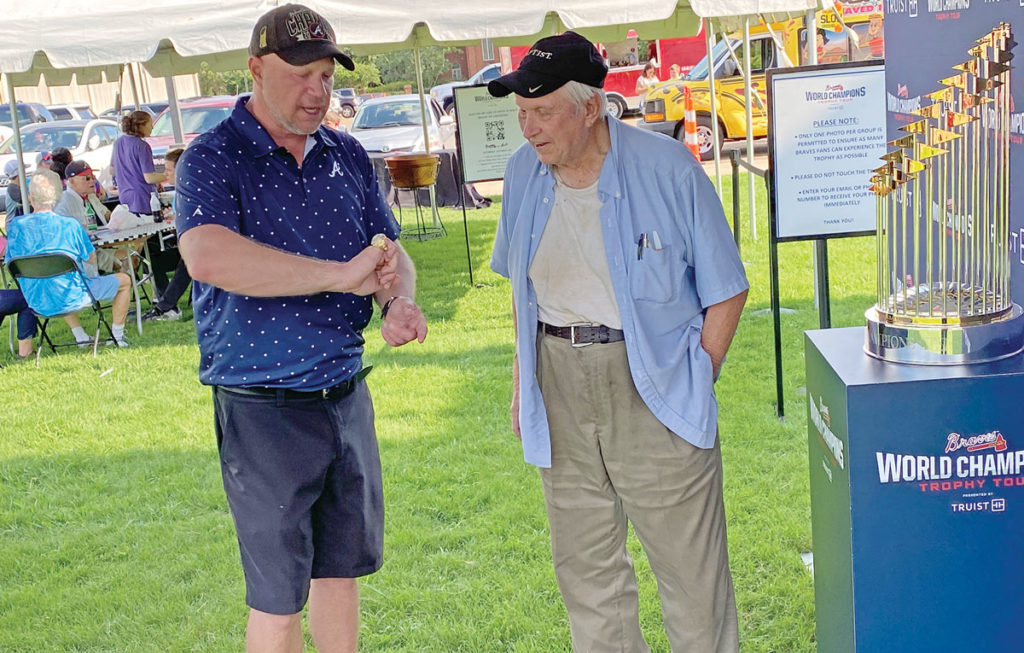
pixel 646 80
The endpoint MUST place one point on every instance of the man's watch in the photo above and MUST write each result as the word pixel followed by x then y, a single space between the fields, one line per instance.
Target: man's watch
pixel 387 306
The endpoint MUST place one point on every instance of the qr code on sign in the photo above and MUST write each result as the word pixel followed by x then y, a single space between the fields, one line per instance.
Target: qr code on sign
pixel 495 130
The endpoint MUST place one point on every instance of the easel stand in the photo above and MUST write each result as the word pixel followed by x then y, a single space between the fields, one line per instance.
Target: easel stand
pixel 422 230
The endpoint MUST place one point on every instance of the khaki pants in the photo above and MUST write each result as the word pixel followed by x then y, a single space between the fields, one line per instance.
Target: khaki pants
pixel 613 461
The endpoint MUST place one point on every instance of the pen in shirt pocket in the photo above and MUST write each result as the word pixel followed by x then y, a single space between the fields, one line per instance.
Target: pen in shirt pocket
pixel 641 244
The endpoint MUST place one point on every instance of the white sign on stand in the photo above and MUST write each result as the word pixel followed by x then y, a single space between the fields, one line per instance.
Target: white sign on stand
pixel 488 132
pixel 826 134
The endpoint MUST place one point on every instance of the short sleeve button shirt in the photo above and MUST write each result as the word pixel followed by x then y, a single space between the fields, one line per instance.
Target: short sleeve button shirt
pixel 237 177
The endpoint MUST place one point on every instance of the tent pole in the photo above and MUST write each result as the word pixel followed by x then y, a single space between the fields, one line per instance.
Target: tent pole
pixel 818 253
pixel 15 123
pixel 172 107
pixel 709 44
pixel 748 107
pixel 423 101
pixel 135 90
pixel 426 134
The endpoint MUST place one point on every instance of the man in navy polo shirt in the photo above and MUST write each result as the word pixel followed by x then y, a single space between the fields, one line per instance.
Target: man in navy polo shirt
pixel 276 217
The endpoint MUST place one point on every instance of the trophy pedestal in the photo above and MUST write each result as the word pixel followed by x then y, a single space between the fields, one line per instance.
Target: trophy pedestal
pixel 917 500
pixel 939 343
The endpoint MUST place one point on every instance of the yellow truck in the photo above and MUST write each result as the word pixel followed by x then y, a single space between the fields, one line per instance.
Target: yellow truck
pixel 663 108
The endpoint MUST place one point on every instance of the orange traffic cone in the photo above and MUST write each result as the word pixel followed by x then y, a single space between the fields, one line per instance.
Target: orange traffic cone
pixel 690 123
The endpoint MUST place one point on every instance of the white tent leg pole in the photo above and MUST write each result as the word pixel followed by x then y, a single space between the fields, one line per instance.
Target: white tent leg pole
pixel 172 105
pixel 810 37
pixel 748 106
pixel 426 133
pixel 135 89
pixel 423 100
pixel 17 145
pixel 709 44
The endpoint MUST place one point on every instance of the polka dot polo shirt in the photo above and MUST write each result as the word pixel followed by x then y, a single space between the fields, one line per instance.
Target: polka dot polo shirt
pixel 237 177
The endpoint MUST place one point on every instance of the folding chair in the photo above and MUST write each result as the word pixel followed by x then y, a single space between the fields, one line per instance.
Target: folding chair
pixel 48 266
pixel 4 283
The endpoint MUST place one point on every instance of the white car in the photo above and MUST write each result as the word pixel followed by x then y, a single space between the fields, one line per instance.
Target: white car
pixel 393 124
pixel 71 112
pixel 90 140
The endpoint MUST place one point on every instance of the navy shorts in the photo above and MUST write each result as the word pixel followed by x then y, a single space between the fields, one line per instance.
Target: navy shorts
pixel 303 482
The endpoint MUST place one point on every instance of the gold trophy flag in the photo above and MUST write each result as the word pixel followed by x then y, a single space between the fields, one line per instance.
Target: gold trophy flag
pixel 930 111
pixel 916 127
pixel 896 157
pixel 927 151
pixel 904 141
pixel 973 100
pixel 954 119
pixel 978 50
pixel 939 136
pixel 912 167
pixel 959 81
pixel 944 95
pixel 1002 56
pixel 968 66
pixel 994 68
pixel 988 40
pixel 982 84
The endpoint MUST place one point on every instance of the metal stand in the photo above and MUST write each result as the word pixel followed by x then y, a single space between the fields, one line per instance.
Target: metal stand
pixel 422 231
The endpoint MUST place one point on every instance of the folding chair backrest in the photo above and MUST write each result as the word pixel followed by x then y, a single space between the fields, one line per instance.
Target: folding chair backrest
pixel 42 266
pixel 48 266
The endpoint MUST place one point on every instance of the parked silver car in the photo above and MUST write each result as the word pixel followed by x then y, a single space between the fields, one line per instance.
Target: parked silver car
pixel 393 124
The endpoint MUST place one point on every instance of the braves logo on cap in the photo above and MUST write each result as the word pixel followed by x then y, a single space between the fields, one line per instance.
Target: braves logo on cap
pixel 304 25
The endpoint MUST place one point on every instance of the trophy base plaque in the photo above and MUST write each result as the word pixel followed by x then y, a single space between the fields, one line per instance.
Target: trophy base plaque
pixel 938 342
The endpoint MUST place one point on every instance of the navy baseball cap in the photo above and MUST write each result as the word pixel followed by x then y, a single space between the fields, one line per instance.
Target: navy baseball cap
pixel 76 168
pixel 298 35
pixel 549 64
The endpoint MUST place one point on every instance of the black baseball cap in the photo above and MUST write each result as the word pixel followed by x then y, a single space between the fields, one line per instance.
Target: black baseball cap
pixel 298 35
pixel 550 63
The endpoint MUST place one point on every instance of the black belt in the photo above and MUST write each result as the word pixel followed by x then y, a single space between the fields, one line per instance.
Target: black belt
pixel 584 334
pixel 334 392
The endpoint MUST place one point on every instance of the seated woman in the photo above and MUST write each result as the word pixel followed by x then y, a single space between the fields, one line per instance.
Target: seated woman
pixel 13 302
pixel 45 232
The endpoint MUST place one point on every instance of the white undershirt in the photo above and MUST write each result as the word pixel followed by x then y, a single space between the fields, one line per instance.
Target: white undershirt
pixel 570 269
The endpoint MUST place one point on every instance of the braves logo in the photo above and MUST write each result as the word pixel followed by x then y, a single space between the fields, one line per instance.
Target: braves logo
pixel 992 440
pixel 304 25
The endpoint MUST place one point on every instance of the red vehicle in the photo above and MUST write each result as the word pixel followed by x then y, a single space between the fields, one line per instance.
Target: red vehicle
pixel 197 116
pixel 626 60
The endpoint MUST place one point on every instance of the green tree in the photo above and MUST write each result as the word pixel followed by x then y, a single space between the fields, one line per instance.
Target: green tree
pixel 364 76
pixel 400 65
pixel 231 82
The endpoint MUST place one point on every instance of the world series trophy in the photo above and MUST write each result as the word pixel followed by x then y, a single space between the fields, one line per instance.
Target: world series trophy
pixel 942 206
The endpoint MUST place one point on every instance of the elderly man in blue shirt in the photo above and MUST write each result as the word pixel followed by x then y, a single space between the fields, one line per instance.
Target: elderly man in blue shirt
pixel 45 232
pixel 278 221
pixel 627 290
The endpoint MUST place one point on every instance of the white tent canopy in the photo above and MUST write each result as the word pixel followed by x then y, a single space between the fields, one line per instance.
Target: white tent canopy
pixel 174 36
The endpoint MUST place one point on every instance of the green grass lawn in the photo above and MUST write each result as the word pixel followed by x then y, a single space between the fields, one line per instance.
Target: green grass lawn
pixel 115 534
